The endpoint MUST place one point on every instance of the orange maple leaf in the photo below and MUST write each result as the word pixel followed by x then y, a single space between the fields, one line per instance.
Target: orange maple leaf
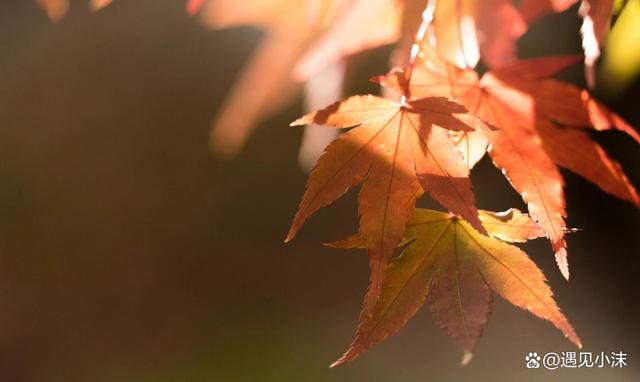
pixel 397 151
pixel 453 268
pixel 529 143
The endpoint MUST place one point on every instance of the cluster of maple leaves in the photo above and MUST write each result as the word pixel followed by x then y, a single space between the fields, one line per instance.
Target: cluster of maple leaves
pixel 437 120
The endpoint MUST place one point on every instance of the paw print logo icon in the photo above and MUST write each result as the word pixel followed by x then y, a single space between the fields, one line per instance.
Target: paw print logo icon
pixel 532 360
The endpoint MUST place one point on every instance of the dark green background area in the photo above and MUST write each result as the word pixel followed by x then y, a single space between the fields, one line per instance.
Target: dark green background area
pixel 128 252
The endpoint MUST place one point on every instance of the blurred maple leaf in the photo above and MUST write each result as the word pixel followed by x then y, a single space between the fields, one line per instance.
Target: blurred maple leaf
pixel 306 35
pixel 527 109
pixel 453 268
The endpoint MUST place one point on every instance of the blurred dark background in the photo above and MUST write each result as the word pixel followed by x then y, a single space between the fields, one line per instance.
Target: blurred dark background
pixel 128 252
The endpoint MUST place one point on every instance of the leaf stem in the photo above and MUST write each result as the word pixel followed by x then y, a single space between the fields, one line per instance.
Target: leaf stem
pixel 427 19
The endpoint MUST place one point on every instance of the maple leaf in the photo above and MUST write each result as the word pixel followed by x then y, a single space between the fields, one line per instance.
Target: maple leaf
pixel 453 268
pixel 398 151
pixel 529 143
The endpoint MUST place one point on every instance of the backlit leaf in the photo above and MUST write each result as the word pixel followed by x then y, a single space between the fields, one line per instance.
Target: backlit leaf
pixel 453 268
pixel 397 151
